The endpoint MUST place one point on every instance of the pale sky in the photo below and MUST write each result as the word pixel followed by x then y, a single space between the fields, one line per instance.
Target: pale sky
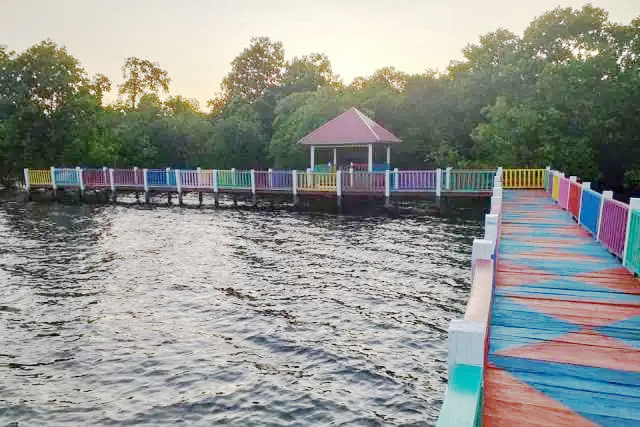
pixel 196 40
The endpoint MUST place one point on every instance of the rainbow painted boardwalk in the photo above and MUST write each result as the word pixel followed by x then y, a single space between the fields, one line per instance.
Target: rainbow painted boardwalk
pixel 564 337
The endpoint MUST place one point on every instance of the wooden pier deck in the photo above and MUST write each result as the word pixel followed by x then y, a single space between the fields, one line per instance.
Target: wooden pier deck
pixel 564 333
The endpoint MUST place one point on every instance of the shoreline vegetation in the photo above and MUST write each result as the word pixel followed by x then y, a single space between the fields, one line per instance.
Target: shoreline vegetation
pixel 566 93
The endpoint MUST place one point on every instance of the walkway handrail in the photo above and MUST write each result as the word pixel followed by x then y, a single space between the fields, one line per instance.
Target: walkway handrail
pixel 616 225
pixel 524 178
pixel 462 406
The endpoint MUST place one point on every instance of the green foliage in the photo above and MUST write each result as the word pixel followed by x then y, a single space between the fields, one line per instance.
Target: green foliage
pixel 566 94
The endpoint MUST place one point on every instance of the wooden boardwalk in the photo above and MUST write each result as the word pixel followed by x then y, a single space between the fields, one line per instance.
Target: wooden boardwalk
pixel 564 335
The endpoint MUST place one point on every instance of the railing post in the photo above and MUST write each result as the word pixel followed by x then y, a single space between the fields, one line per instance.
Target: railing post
pixel 309 178
pixel 112 181
pixel 80 180
pixel 294 185
pixel 270 174
pixel 547 180
pixel 605 195
pixel 53 180
pixel 135 175
pixel 145 181
pixel 584 186
pixel 396 174
pixel 233 177
pixel 105 176
pixel 634 205
pixel 387 184
pixel 481 249
pixel 26 180
pixel 178 183
pixel 351 176
pixel 199 178
pixel 253 181
pixel 438 182
pixel 339 183
pixel 214 180
pixel 448 178
pixel 491 229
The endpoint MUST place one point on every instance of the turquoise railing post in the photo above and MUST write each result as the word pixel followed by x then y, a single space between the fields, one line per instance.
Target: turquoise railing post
pixel 605 195
pixel 634 205
pixel 438 182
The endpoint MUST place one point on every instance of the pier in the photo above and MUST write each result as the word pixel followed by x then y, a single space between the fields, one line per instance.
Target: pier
pixel 551 333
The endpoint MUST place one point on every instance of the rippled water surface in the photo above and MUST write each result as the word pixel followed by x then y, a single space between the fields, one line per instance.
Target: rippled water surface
pixel 132 315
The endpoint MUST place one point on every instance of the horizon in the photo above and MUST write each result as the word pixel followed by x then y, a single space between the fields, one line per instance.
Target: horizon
pixel 197 56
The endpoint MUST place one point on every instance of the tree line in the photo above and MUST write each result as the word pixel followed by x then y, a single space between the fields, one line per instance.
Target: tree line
pixel 565 94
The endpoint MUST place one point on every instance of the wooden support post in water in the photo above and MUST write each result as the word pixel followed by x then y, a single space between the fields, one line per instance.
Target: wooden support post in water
pixel 200 198
pixel 634 205
pixel 53 182
pixel 113 185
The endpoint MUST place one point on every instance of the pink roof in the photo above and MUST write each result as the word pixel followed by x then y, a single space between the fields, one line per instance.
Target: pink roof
pixel 349 128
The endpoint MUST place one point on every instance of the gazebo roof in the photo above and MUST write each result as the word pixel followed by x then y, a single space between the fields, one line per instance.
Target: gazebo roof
pixel 349 128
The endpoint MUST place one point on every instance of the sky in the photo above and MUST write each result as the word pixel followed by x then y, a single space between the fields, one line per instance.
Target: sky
pixel 196 40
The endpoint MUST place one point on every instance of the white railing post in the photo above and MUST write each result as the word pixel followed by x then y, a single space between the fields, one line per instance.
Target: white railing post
pixel 438 182
pixel 447 184
pixel 309 177
pixel 481 249
pixel 112 182
pixel 605 195
pixel 135 175
pixel 294 182
pixel 585 186
pixel 104 175
pixel 178 183
pixel 351 176
pixel 27 186
pixel 491 229
pixel 80 179
pixel 387 183
pixel 233 177
pixel 573 178
pixel 339 183
pixel 270 172
pixel 253 181
pixel 214 179
pixel 396 174
pixel 199 177
pixel 145 180
pixel 53 178
pixel 634 205
pixel 167 175
pixel 548 179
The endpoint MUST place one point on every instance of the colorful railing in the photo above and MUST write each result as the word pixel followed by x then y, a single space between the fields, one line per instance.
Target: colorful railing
pixel 39 178
pixel 590 211
pixel 413 181
pixel 613 223
pixel 471 180
pixel 632 256
pixel 358 182
pixel 324 182
pixel 468 347
pixel 524 178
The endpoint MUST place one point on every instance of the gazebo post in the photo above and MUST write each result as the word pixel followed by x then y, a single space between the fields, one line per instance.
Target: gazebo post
pixel 370 162
pixel 313 157
pixel 335 158
pixel 388 156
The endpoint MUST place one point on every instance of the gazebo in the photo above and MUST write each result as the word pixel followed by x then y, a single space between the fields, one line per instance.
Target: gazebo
pixel 350 129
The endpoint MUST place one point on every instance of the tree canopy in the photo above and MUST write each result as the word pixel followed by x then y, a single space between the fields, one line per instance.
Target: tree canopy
pixel 565 93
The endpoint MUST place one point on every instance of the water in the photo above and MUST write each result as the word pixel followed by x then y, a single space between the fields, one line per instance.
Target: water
pixel 129 315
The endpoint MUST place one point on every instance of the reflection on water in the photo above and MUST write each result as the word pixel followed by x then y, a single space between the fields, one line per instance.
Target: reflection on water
pixel 124 314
